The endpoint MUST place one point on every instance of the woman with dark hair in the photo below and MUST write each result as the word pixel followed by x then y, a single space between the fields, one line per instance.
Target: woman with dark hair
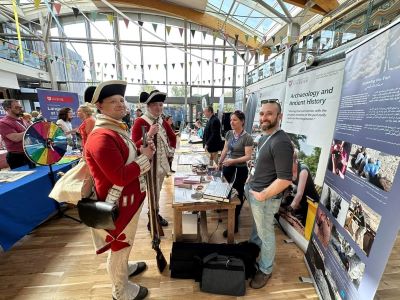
pixel 237 152
pixel 64 122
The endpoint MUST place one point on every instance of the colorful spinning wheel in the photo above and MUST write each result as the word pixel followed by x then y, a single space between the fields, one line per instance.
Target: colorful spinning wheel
pixel 44 143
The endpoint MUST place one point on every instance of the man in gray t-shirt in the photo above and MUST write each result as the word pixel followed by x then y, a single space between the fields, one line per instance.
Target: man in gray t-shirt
pixel 271 176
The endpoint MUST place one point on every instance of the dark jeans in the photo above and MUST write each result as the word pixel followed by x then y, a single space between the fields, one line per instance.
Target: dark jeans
pixel 18 159
pixel 241 177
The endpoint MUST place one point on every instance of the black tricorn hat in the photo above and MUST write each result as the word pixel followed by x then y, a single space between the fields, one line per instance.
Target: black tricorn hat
pixel 108 89
pixel 89 93
pixel 154 96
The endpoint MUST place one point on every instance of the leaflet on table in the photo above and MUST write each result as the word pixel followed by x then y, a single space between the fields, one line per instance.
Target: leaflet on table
pixel 183 195
pixel 193 159
pixel 11 176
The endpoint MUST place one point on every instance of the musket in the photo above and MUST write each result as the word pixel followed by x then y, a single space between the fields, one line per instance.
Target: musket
pixel 155 228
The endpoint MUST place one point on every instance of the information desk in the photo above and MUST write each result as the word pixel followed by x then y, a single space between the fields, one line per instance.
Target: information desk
pixel 203 207
pixel 24 204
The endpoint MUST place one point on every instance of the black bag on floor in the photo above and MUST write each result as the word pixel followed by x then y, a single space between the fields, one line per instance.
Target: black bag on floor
pixel 186 258
pixel 224 275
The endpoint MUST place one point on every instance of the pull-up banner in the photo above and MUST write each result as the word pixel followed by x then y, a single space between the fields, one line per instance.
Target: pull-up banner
pixel 358 220
pixel 52 101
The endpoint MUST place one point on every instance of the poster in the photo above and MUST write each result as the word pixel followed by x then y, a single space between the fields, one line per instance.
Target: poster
pixel 357 220
pixel 52 101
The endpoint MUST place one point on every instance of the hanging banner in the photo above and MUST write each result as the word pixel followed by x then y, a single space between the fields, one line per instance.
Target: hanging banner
pixel 52 101
pixel 357 220
pixel 221 107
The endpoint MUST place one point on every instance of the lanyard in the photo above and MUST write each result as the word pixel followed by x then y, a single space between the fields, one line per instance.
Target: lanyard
pixel 234 140
pixel 258 152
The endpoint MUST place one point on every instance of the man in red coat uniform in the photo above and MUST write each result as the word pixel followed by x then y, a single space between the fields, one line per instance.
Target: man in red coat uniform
pixel 166 138
pixel 118 170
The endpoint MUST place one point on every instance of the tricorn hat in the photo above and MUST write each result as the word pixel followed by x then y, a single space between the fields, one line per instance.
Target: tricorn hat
pixel 154 96
pixel 89 93
pixel 108 89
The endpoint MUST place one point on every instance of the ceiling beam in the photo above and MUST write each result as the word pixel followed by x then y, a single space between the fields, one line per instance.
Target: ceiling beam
pixel 273 10
pixel 284 8
pixel 188 14
pixel 316 8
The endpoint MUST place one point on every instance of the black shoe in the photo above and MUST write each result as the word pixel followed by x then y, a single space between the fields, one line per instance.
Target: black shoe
pixel 148 226
pixel 163 222
pixel 225 233
pixel 141 295
pixel 173 171
pixel 141 266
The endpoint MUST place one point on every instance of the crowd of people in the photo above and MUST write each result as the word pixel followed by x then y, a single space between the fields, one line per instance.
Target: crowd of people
pixel 116 156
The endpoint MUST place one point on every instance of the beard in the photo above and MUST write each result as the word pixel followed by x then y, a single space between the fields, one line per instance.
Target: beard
pixel 269 125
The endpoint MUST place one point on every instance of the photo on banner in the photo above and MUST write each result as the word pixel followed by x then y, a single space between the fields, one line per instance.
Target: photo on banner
pixel 363 171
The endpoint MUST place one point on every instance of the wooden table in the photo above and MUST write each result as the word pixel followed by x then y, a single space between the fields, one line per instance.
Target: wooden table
pixel 203 207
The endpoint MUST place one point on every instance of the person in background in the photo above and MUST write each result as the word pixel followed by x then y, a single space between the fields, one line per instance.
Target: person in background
pixel 138 113
pixel 166 138
pixel 304 186
pixel 113 159
pixel 88 95
pixel 270 177
pixel 64 122
pixel 170 121
pixel 199 128
pixel 12 130
pixel 36 116
pixel 27 119
pixel 127 119
pixel 85 113
pixel 212 141
pixel 234 157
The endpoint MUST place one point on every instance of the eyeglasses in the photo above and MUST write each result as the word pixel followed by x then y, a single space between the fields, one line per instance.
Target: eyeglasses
pixel 270 101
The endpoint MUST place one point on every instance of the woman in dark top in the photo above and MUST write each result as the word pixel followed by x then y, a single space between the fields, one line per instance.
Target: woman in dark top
pixel 302 179
pixel 237 152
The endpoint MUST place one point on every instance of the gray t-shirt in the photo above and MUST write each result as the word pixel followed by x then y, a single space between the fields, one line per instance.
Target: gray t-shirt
pixel 236 147
pixel 274 161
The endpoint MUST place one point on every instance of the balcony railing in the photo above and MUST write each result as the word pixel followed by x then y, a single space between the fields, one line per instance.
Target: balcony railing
pixel 10 52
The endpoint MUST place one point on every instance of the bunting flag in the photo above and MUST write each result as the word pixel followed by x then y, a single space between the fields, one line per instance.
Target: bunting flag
pixel 127 66
pixel 84 62
pixel 126 78
pixel 209 81
pixel 173 66
pixel 182 65
pixel 225 59
pixel 208 62
pixel 76 11
pixel 236 39
pixel 140 23
pixel 110 19
pixel 219 80
pixel 190 63
pixel 204 34
pixel 273 39
pixel 165 66
pixel 238 76
pixel 155 27
pixel 163 82
pixel 151 81
pixel 126 21
pixel 168 29
pixel 105 75
pixel 56 57
pixel 242 56
pixel 246 37
pixel 138 80
pixel 134 67
pixel 98 65
pixel 199 62
pixel 141 66
pixel 132 80
pixel 113 65
pixel 51 61
pixel 98 73
pixel 255 39
pixel 112 76
pixel 229 78
pixel 21 51
pixel 180 31
pixel 105 65
pixel 149 66
pixel 216 60
pixel 93 15
pixel 215 33
pixel 157 66
pixel 57 7
pixel 158 81
pixel 36 3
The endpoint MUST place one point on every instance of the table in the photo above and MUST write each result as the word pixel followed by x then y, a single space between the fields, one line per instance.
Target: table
pixel 203 207
pixel 24 204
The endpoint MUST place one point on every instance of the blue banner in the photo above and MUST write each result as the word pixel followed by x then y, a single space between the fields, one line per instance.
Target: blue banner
pixel 52 101
pixel 357 220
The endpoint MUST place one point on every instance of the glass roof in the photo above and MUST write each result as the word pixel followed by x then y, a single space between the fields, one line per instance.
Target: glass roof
pixel 255 18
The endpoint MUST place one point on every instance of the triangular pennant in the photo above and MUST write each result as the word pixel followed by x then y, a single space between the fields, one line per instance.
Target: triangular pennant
pixel 204 34
pixel 134 67
pixel 157 66
pixel 225 59
pixel 113 65
pixel 199 62
pixel 165 66
pixel 112 76
pixel 182 65
pixel 168 29
pixel 131 79
pixel 110 19
pixel 209 81
pixel 84 62
pixel 105 65
pixel 98 65
pixel 149 66
pixel 56 57
pixel 216 60
pixel 151 81
pixel 36 3
pixel 163 82
pixel 98 73
pixel 208 62
pixel 93 15
pixel 155 27
pixel 236 39
pixel 76 11
pixel 126 21
pixel 246 37
pixel 51 60
pixel 105 75
pixel 181 31
pixel 238 76
pixel 190 63
pixel 255 39
pixel 173 66
pixel 127 66
pixel 140 23
pixel 138 80
pixel 219 80
pixel 215 33
pixel 273 39
pixel 229 78
pixel 204 81
pixel 57 7
pixel 141 66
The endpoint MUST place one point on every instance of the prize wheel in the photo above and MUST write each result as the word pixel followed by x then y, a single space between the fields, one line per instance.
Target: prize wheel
pixel 44 143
